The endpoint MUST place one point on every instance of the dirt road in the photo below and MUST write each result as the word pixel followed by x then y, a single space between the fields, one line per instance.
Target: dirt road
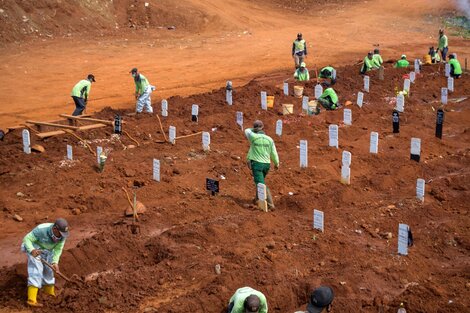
pixel 246 40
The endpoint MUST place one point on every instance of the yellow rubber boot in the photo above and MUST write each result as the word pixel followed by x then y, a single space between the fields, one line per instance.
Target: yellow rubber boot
pixel 32 297
pixel 49 290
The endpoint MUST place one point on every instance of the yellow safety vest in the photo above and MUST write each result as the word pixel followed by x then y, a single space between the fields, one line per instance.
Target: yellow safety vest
pixel 299 45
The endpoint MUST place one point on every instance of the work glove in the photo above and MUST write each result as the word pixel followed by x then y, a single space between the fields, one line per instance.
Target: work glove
pixel 36 252
pixel 55 266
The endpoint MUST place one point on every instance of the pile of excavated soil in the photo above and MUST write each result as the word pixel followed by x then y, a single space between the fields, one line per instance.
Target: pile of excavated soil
pixel 186 232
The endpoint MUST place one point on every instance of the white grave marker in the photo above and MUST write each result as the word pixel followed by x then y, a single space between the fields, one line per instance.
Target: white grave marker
pixel 318 220
pixel 228 93
pixel 366 83
pixel 303 153
pixel 26 141
pixel 206 141
pixel 264 100
pixel 345 174
pixel 444 95
pixel 412 77
pixel 164 108
pixel 305 103
pixel 403 239
pixel 374 142
pixel 415 149
pixel 156 170
pixel 261 188
pixel 420 186
pixel 195 111
pixel 99 150
pixel 172 134
pixel 318 91
pixel 279 127
pixel 347 117
pixel 400 103
pixel 360 99
pixel 416 66
pixel 406 85
pixel 346 159
pixel 69 153
pixel 447 70
pixel 286 89
pixel 333 135
pixel 450 84
pixel 240 119
pixel 333 74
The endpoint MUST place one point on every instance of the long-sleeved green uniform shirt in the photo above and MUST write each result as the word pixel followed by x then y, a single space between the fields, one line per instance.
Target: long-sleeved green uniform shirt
pixel 402 63
pixel 302 76
pixel 330 94
pixel 41 236
pixel 262 148
pixel 377 60
pixel 368 63
pixel 141 84
pixel 454 63
pixel 443 42
pixel 326 72
pixel 82 89
pixel 241 294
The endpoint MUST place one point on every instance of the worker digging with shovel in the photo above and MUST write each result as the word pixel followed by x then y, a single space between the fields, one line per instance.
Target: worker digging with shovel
pixel 43 246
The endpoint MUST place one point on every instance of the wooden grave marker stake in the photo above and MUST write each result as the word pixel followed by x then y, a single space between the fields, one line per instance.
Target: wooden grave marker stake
pixel 206 141
pixel 415 153
pixel 240 119
pixel 360 99
pixel 264 100
pixel 450 84
pixel 156 170
pixel 403 239
pixel 195 113
pixel 444 95
pixel 69 153
pixel 164 108
pixel 172 135
pixel 347 117
pixel 262 204
pixel 286 89
pixel 400 103
pixel 420 186
pixel 396 121
pixel 439 123
pixel 318 220
pixel 333 135
pixel 366 83
pixel 305 104
pixel 374 143
pixel 279 128
pixel 318 91
pixel 303 153
pixel 26 141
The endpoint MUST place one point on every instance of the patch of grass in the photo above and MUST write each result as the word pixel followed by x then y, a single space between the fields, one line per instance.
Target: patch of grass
pixel 459 25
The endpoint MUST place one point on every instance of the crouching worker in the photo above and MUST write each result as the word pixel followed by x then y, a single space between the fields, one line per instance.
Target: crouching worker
pixel 320 300
pixel 301 74
pixel 327 72
pixel 329 98
pixel 248 300
pixel 455 68
pixel 45 242
pixel 402 63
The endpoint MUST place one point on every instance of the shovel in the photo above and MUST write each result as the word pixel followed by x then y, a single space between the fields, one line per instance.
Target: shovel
pixel 59 273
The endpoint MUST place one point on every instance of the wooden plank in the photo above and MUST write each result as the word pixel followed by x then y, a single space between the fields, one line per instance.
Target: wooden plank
pixel 15 127
pixel 92 126
pixel 53 125
pixel 87 119
pixel 50 134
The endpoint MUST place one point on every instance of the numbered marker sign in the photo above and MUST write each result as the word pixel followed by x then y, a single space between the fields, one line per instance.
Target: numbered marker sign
pixel 396 121
pixel 279 128
pixel 444 95
pixel 347 117
pixel 264 100
pixel 333 136
pixel 156 170
pixel 345 175
pixel 305 103
pixel 261 188
pixel 403 239
pixel 318 221
pixel 26 141
pixel 450 84
pixel 164 108
pixel 206 141
pixel 406 85
pixel 400 103
pixel 99 150
pixel 360 99
pixel 194 112
pixel 439 123
pixel 303 153
pixel 415 149
pixel 69 152
pixel 366 83
pixel 240 119
pixel 228 92
pixel 420 185
pixel 374 142
pixel 172 134
pixel 346 159
pixel 286 89
pixel 318 91
pixel 416 66
pixel 447 70
pixel 412 77
pixel 333 74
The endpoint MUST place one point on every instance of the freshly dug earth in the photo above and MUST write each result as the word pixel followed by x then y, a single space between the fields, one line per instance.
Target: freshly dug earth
pixel 185 232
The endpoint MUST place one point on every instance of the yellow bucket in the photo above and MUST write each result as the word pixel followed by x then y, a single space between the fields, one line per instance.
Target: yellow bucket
pixel 312 107
pixel 270 101
pixel 287 109
pixel 298 91
pixel 427 59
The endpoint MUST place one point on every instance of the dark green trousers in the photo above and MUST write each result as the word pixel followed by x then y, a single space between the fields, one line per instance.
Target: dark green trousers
pixel 259 170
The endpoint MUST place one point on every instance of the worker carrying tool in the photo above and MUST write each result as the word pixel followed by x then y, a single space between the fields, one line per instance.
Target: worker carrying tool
pixel 299 50
pixel 262 151
pixel 301 74
pixel 329 98
pixel 368 63
pixel 143 90
pixel 443 44
pixel 455 68
pixel 327 72
pixel 248 300
pixel 44 243
pixel 377 59
pixel 80 93
pixel 402 63
pixel 320 300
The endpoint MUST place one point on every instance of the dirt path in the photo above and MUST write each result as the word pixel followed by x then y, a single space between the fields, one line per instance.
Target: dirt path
pixel 253 40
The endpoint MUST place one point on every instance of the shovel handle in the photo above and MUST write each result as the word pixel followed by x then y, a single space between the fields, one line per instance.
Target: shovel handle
pixel 53 269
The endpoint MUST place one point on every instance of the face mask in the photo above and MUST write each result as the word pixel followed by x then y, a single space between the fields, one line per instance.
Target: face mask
pixel 55 238
pixel 134 75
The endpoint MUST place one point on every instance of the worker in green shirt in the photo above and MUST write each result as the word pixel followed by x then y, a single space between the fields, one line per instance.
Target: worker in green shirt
pixel 329 98
pixel 248 300
pixel 455 68
pixel 435 58
pixel 377 58
pixel 368 63
pixel 262 151
pixel 328 72
pixel 301 74
pixel 143 90
pixel 80 93
pixel 402 63
pixel 443 44
pixel 46 241
pixel 299 50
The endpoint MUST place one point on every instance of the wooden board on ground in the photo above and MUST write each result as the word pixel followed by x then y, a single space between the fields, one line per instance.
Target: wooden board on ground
pixel 52 125
pixel 87 119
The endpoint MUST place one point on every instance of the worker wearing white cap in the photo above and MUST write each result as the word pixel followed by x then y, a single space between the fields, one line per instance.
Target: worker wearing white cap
pixel 301 74
pixel 403 62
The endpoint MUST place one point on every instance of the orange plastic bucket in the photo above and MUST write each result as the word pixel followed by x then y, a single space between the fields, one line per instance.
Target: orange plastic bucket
pixel 270 101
